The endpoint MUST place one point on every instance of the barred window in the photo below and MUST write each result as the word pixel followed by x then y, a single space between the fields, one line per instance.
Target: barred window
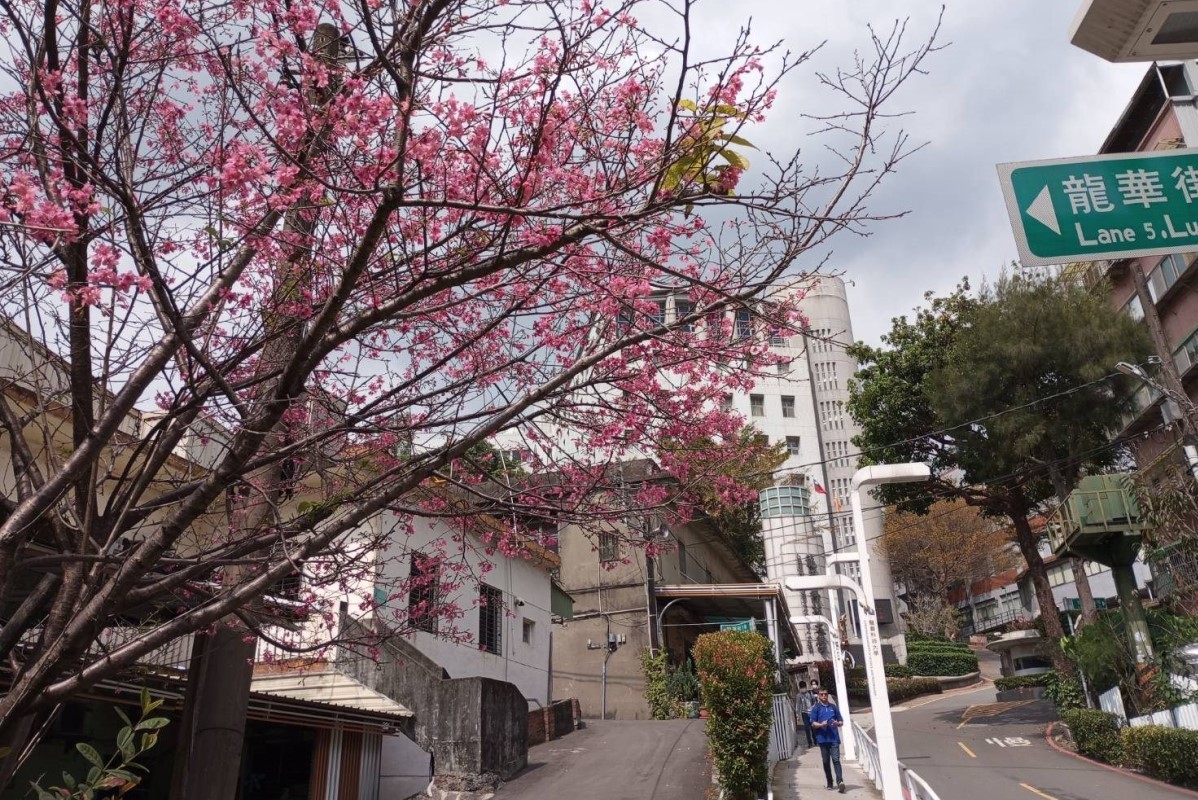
pixel 422 593
pixel 490 619
pixel 609 546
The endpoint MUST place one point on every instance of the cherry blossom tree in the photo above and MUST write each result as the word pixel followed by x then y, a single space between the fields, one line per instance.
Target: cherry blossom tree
pixel 274 266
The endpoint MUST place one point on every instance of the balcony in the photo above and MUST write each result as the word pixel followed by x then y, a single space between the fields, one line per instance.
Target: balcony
pixel 1099 521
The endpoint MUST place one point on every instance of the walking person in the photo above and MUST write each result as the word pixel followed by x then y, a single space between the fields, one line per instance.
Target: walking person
pixel 826 722
pixel 806 701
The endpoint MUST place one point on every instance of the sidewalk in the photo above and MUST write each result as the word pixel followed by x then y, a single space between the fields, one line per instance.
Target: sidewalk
pixel 802 776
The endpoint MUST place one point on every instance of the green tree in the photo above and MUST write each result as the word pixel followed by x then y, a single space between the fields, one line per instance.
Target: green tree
pixel 1009 395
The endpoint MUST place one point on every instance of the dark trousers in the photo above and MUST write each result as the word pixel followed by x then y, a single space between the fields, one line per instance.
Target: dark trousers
pixel 807 728
pixel 830 753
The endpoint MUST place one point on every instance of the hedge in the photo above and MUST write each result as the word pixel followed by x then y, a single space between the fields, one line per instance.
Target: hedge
pixel 898 671
pixel 1023 681
pixel 897 689
pixel 736 686
pixel 1168 754
pixel 942 664
pixel 1096 733
pixel 937 647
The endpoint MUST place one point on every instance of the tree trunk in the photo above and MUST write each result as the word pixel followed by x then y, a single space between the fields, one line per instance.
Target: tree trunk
pixel 208 762
pixel 1028 547
pixel 1084 593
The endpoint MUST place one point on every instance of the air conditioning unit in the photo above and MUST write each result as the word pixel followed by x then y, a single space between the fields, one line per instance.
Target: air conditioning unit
pixel 1137 30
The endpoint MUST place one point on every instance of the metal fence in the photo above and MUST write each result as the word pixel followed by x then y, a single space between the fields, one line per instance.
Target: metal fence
pixel 1183 716
pixel 783 732
pixel 914 787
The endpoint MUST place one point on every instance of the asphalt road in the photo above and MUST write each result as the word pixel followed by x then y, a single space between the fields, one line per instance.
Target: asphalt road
pixel 967 747
pixel 617 760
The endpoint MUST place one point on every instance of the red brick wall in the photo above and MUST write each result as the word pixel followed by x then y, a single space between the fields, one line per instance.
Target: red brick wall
pixel 552 721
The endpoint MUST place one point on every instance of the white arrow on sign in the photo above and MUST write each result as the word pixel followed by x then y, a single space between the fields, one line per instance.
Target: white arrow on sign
pixel 1042 211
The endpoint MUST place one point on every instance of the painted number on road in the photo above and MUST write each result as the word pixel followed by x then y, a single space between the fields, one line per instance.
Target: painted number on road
pixel 1010 741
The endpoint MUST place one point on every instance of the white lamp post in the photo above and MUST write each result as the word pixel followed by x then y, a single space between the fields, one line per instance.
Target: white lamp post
pixel 864 480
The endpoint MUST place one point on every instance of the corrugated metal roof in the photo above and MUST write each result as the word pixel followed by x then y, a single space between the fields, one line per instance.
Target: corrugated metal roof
pixel 327 686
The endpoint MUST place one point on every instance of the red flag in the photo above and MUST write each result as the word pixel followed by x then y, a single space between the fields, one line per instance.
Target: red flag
pixel 819 489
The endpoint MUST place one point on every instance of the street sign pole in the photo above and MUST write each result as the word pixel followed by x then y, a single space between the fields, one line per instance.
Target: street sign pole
pixel 1103 207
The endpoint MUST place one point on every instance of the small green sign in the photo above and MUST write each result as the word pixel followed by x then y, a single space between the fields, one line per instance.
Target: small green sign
pixel 1103 207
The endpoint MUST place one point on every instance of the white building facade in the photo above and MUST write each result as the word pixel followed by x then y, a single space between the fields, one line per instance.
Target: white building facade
pixel 809 514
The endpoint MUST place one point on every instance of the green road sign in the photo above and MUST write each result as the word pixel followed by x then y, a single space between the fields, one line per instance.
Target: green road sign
pixel 1103 207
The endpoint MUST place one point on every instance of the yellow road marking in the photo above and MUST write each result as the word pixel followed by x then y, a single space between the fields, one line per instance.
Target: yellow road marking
pixel 988 710
pixel 1036 791
pixel 968 752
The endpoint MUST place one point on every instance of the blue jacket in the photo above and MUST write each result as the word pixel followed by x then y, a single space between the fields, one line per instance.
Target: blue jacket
pixel 824 712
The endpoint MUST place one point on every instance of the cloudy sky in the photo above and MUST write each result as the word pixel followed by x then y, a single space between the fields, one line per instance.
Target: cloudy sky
pixel 1009 87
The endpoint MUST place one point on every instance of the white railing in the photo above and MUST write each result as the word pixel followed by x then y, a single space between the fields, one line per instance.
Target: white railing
pixel 1183 716
pixel 783 733
pixel 914 787
pixel 1111 701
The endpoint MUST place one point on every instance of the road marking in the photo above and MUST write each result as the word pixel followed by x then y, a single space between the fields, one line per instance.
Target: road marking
pixel 968 752
pixel 1010 741
pixel 989 710
pixel 1036 791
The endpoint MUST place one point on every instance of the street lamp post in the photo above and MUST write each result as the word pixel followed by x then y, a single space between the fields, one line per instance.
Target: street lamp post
pixel 850 742
pixel 1189 443
pixel 864 480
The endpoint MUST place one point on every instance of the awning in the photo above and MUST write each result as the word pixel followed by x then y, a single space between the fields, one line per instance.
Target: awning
pixel 560 604
pixel 730 601
pixel 328 687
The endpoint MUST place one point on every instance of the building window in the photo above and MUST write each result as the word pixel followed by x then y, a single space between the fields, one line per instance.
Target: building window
pixel 788 406
pixel 726 404
pixel 658 315
pixel 757 405
pixel 609 546
pixel 684 308
pixel 490 619
pixel 682 558
pixel 783 367
pixel 291 585
pixel 792 445
pixel 422 593
pixel 527 630
pixel 744 324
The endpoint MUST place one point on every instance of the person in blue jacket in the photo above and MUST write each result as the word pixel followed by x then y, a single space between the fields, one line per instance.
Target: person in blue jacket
pixel 826 723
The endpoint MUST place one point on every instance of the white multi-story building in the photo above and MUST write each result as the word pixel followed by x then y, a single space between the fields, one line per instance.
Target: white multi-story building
pixel 805 406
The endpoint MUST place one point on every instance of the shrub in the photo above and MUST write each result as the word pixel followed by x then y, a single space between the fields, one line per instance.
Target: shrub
pixel 898 671
pixel 1096 733
pixel 897 689
pixel 1164 753
pixel 944 664
pixel 937 647
pixel 1024 681
pixel 662 703
pixel 914 636
pixel 736 681
pixel 683 684
pixel 1065 692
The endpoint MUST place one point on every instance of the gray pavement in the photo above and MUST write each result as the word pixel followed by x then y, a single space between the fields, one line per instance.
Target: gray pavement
pixel 618 760
pixel 967 746
pixel 802 776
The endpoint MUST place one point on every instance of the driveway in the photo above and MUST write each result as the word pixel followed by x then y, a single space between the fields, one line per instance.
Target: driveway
pixel 618 760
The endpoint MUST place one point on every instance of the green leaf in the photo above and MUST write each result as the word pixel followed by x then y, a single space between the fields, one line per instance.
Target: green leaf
pixel 148 740
pixel 688 105
pixel 730 139
pixel 124 717
pixel 125 743
pixel 145 701
pixel 152 724
pixel 735 159
pixel 42 794
pixel 90 753
pixel 68 780
pixel 93 776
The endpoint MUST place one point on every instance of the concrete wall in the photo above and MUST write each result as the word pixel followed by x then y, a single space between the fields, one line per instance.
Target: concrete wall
pixel 612 597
